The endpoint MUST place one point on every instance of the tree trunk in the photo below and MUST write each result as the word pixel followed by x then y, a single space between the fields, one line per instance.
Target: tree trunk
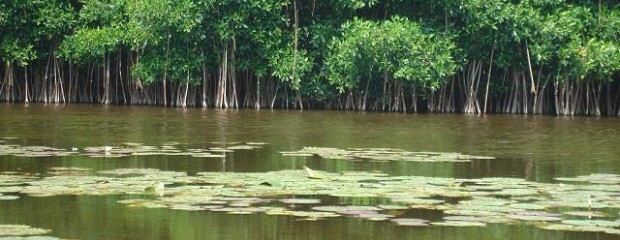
pixel 486 93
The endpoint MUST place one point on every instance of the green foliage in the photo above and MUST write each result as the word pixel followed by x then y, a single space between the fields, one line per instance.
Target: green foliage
pixel 289 66
pixel 398 47
pixel 14 50
pixel 28 25
pixel 340 44
pixel 88 45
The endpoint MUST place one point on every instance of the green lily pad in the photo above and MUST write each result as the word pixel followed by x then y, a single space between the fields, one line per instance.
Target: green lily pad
pixel 207 155
pixel 467 212
pixel 345 208
pixel 187 207
pixel 8 197
pixel 410 222
pixel 301 201
pixel 238 193
pixel 535 216
pixel 307 215
pixel 527 206
pixel 383 155
pixel 296 154
pixel 593 223
pixel 21 230
pixel 600 178
pixel 243 147
pixel 612 231
pixel 586 213
pixel 459 224
pixel 573 228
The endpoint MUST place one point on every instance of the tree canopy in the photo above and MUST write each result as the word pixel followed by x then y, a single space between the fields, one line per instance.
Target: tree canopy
pixel 525 56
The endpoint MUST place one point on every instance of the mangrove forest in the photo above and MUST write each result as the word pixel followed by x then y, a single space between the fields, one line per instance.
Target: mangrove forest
pixel 558 57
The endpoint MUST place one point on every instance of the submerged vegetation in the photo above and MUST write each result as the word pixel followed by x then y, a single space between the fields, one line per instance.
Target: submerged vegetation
pixel 471 56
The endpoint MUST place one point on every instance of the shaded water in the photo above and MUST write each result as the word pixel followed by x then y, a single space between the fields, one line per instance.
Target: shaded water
pixel 537 148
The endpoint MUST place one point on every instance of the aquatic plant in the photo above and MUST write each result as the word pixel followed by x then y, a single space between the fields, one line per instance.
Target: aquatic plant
pixel 463 202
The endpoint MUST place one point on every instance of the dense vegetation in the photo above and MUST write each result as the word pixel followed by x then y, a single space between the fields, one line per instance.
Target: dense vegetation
pixel 472 56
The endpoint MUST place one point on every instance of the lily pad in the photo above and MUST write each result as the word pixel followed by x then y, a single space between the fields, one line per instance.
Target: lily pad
pixel 593 223
pixel 383 155
pixel 207 155
pixel 574 228
pixel 296 154
pixel 21 230
pixel 250 192
pixel 459 224
pixel 535 216
pixel 301 201
pixel 243 147
pixel 8 197
pixel 586 214
pixel 410 222
pixel 349 209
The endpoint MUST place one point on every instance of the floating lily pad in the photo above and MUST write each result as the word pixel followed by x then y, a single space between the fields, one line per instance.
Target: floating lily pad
pixel 613 231
pixel 296 154
pixel 586 214
pixel 410 222
pixel 465 218
pixel 593 178
pixel 126 149
pixel 459 224
pixel 243 147
pixel 242 193
pixel 593 223
pixel 8 197
pixel 345 208
pixel 21 230
pixel 467 212
pixel 207 155
pixel 220 150
pixel 383 154
pixel 187 207
pixel 574 228
pixel 527 206
pixel 535 216
pixel 301 201
pixel 305 214
pixel 375 216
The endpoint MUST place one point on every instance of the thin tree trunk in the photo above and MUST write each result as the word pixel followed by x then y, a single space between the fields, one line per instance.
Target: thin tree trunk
pixel 486 93
pixel 204 86
pixel 26 96
pixel 529 65
pixel 257 102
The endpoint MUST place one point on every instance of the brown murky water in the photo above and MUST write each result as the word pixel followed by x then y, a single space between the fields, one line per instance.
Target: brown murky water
pixel 537 148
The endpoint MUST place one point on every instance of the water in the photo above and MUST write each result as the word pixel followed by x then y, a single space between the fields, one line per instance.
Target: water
pixel 537 148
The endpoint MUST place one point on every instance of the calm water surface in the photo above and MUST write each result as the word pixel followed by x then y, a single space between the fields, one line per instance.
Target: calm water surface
pixel 536 148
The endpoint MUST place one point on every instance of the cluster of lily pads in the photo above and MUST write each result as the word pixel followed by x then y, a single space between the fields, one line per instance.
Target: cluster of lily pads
pixel 127 149
pixel 584 203
pixel 383 155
